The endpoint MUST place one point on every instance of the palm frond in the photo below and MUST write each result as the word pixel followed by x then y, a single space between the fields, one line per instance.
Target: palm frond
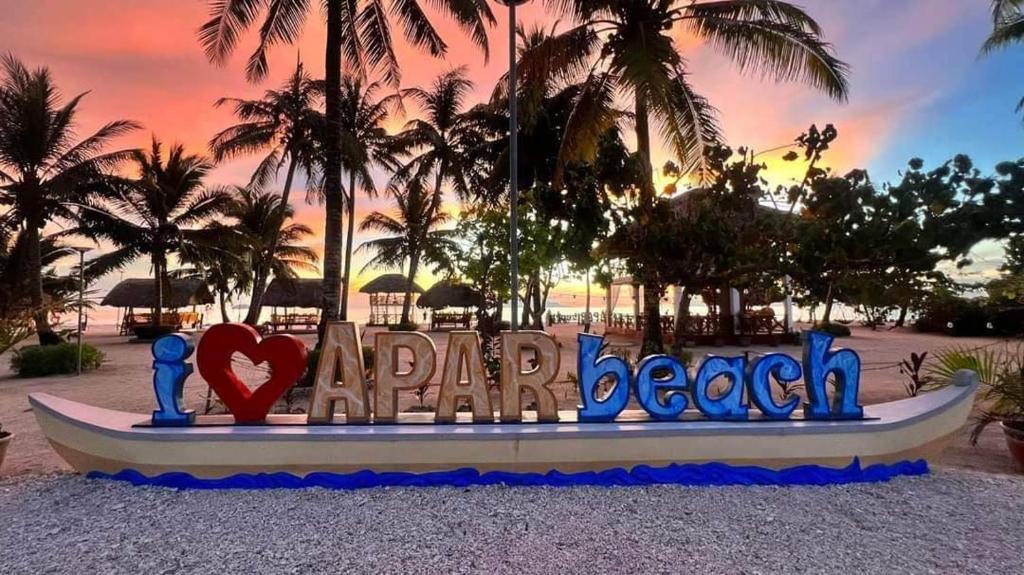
pixel 778 49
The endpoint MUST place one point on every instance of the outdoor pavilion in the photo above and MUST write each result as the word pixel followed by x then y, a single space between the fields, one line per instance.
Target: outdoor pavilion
pixel 734 316
pixel 289 294
pixel 140 294
pixel 387 298
pixel 448 295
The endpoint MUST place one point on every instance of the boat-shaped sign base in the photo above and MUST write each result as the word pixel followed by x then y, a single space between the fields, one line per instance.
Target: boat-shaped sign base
pixel 101 441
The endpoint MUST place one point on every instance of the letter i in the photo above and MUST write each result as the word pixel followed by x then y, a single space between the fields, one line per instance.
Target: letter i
pixel 170 370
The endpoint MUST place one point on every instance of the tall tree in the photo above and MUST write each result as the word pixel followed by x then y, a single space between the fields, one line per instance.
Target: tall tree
pixel 365 144
pixel 629 47
pixel 44 172
pixel 1007 29
pixel 412 237
pixel 269 244
pixel 285 126
pixel 158 214
pixel 358 34
pixel 441 140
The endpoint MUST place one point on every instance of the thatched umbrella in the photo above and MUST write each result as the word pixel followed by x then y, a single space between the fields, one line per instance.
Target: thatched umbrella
pixel 445 294
pixel 286 293
pixel 387 293
pixel 139 293
pixel 178 293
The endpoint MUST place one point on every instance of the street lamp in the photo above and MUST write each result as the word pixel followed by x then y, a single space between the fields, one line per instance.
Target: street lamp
pixel 81 299
pixel 513 159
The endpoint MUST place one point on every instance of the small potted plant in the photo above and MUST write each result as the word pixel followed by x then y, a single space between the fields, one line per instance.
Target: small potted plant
pixel 5 440
pixel 1004 395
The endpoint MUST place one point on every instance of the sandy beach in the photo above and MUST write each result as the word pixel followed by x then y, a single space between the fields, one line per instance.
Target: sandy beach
pixel 124 383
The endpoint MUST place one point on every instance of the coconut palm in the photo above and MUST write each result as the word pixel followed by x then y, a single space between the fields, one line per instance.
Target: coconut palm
pixel 358 33
pixel 44 172
pixel 284 125
pixel 1008 28
pixel 628 48
pixel 442 139
pixel 158 214
pixel 411 237
pixel 366 144
pixel 269 245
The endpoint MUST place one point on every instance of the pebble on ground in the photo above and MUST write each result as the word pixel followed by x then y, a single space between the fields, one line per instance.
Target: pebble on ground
pixel 948 522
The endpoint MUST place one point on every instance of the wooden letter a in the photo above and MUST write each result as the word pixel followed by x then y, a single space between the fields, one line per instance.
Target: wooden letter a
pixel 341 351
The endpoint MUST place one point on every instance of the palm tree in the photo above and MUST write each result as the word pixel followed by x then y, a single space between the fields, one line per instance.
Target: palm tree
pixel 366 144
pixel 442 139
pixel 44 172
pixel 358 33
pixel 628 47
pixel 159 214
pixel 269 247
pixel 1008 29
pixel 285 126
pixel 411 238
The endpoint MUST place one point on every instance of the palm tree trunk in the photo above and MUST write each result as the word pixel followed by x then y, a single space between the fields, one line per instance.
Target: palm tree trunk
pixel 652 292
pixel 40 315
pixel 830 299
pixel 643 145
pixel 902 319
pixel 351 233
pixel 332 167
pixel 259 286
pixel 223 306
pixel 159 265
pixel 414 265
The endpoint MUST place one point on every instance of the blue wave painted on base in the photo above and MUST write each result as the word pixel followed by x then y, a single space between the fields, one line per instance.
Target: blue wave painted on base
pixel 691 474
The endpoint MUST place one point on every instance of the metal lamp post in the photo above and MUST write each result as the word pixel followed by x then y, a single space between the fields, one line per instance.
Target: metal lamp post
pixel 81 300
pixel 513 159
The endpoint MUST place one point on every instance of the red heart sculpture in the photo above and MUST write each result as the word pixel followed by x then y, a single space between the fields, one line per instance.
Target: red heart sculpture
pixel 286 355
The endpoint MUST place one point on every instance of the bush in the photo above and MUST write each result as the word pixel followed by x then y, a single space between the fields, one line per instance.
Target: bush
pixel 956 316
pixel 43 360
pixel 1008 321
pixel 833 329
pixel 411 326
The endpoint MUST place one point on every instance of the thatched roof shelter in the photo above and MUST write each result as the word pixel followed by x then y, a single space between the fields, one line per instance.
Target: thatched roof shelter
pixel 287 292
pixel 140 293
pixel 446 294
pixel 390 283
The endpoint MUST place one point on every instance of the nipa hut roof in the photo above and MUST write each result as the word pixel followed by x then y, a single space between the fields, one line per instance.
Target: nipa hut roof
pixel 299 292
pixel 449 294
pixel 390 283
pixel 140 293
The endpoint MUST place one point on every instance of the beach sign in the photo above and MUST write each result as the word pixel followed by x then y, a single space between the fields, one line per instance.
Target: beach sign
pixel 721 388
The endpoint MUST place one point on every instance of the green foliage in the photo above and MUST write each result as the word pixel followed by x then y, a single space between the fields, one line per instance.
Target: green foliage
pixel 946 312
pixel 41 361
pixel 1004 394
pixel 913 369
pixel 985 362
pixel 833 329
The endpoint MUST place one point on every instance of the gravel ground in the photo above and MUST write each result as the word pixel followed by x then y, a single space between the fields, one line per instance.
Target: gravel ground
pixel 949 522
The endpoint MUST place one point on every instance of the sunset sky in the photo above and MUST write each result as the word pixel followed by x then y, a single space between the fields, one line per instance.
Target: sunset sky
pixel 919 87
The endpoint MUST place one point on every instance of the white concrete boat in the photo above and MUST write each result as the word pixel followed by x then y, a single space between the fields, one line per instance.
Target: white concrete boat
pixel 105 442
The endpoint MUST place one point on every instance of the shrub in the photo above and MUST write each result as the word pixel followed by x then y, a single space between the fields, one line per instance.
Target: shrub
pixel 984 362
pixel 411 326
pixel 833 329
pixel 1004 395
pixel 43 360
pixel 956 316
